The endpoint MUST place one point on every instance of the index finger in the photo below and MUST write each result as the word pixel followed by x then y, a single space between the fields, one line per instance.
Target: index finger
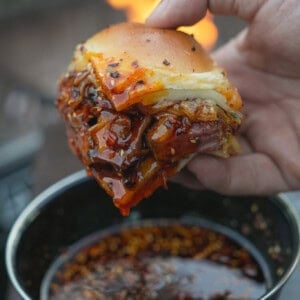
pixel 174 13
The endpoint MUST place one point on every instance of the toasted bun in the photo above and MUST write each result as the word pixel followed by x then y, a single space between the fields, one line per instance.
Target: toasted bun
pixel 151 47
pixel 165 63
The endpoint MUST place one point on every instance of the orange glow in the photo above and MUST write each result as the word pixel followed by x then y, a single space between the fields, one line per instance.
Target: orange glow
pixel 205 31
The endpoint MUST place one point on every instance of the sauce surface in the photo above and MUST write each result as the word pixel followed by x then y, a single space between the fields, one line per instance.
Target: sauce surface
pixel 171 261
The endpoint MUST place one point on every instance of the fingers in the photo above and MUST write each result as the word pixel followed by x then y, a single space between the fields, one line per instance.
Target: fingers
pixel 174 13
pixel 239 175
pixel 188 179
pixel 243 9
pixel 245 146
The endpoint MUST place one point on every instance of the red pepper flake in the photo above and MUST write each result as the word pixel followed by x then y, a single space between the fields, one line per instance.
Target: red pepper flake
pixel 115 74
pixel 193 48
pixel 113 65
pixel 141 82
pixel 120 265
pixel 111 138
pixel 81 48
pixel 135 64
pixel 166 62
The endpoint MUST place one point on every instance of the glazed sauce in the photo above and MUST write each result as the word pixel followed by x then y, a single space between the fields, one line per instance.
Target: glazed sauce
pixel 166 261
pixel 132 148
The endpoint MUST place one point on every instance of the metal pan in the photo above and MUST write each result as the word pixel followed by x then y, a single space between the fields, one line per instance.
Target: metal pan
pixel 76 207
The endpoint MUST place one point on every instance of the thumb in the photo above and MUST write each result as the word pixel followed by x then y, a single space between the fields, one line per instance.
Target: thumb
pixel 174 13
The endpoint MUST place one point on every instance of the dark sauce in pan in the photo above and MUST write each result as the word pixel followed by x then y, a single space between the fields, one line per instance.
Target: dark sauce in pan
pixel 156 260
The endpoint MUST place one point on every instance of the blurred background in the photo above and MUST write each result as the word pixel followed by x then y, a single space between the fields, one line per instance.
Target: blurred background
pixel 37 38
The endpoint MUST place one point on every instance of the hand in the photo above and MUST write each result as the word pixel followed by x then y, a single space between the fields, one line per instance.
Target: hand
pixel 263 61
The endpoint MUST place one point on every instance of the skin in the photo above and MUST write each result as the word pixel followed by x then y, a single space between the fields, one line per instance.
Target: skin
pixel 263 61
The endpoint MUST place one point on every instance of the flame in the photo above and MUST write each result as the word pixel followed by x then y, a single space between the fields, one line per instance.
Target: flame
pixel 205 31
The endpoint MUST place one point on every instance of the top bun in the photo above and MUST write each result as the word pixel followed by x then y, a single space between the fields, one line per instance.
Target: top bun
pixel 152 47
pixel 125 54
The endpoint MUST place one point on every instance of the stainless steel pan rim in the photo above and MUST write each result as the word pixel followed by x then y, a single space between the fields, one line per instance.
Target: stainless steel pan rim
pixel 33 209
pixel 29 213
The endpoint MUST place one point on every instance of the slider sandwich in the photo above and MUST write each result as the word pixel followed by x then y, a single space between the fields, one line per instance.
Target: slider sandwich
pixel 139 102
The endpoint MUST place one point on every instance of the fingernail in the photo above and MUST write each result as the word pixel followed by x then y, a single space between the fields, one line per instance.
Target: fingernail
pixel 159 10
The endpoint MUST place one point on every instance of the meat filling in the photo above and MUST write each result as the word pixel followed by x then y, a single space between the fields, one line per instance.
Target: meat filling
pixel 132 152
